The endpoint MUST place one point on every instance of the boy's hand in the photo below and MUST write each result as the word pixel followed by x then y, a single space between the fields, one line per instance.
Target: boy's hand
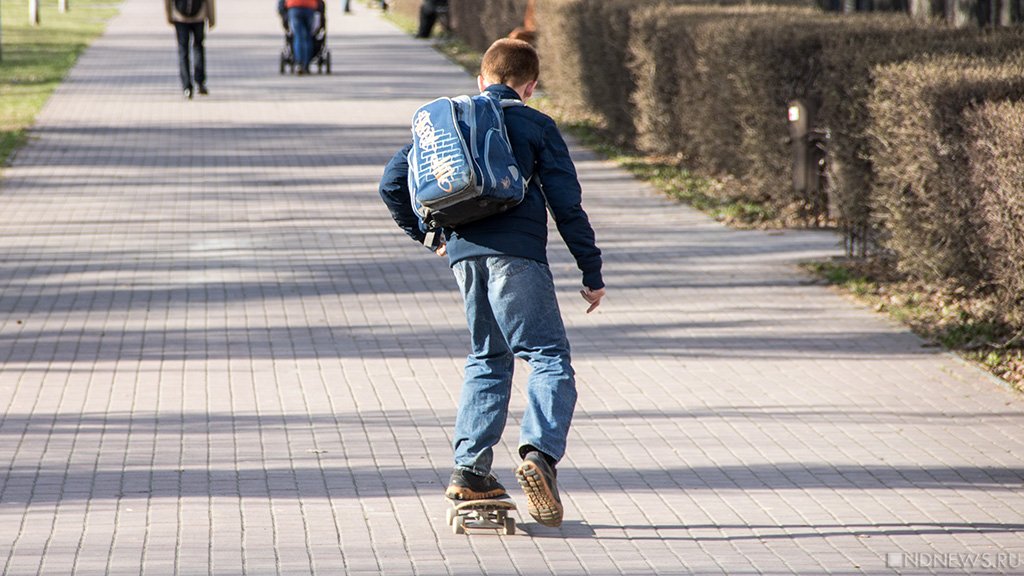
pixel 441 250
pixel 593 297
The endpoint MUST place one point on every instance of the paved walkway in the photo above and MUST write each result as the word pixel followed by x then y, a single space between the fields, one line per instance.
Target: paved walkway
pixel 220 357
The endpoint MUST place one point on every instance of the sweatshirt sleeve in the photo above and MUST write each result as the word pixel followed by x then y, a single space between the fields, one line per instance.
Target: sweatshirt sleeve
pixel 211 12
pixel 564 197
pixel 394 191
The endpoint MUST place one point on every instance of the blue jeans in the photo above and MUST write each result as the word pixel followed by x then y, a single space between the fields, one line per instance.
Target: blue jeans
pixel 191 33
pixel 512 312
pixel 300 20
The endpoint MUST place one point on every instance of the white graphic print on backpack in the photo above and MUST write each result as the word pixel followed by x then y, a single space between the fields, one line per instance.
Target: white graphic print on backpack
pixel 439 153
pixel 461 166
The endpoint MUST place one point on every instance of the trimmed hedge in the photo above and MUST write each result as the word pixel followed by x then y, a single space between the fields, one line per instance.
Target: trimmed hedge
pixel 923 193
pixel 995 150
pixel 849 62
pixel 479 22
pixel 583 46
pixel 713 83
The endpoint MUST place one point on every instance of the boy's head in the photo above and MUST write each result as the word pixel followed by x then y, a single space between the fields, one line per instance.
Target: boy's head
pixel 513 63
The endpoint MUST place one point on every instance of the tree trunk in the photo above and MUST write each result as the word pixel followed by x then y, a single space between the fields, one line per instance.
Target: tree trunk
pixel 919 9
pixel 959 13
pixel 1005 13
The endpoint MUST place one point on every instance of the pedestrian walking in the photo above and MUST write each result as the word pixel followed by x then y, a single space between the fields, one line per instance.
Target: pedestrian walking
pixel 500 266
pixel 301 20
pixel 190 19
pixel 430 12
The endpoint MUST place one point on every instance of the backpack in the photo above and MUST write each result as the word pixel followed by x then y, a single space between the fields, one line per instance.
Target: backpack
pixel 188 8
pixel 461 165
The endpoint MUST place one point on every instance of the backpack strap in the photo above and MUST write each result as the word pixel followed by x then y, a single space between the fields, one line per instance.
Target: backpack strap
pixel 513 103
pixel 469 117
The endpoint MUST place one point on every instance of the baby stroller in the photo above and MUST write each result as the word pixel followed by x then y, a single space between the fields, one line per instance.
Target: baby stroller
pixel 321 55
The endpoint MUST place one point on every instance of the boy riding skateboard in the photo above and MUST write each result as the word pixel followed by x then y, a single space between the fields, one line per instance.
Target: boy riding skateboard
pixel 500 266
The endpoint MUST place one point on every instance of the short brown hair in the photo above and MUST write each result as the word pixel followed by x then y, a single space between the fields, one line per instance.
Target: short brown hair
pixel 511 62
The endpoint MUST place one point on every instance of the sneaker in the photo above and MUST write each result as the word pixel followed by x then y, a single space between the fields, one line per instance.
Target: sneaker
pixel 203 91
pixel 465 485
pixel 537 478
pixel 187 93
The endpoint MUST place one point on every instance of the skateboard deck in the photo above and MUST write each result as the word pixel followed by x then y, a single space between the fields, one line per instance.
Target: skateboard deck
pixel 492 514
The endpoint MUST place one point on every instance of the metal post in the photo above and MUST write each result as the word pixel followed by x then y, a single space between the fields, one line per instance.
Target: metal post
pixel 919 9
pixel 958 12
pixel 33 12
pixel 1005 13
pixel 810 146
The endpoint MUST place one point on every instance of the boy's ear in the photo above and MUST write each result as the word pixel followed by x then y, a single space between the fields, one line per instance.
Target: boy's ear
pixel 528 90
pixel 480 82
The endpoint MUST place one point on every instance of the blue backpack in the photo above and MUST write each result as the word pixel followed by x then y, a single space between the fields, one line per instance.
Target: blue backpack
pixel 461 166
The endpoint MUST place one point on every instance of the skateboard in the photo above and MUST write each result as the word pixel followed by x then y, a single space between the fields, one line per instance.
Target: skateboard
pixel 467 515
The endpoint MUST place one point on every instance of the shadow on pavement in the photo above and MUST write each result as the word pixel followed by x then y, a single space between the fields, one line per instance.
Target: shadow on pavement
pixel 762 532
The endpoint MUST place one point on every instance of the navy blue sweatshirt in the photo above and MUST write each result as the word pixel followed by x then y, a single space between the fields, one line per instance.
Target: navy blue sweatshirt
pixel 543 157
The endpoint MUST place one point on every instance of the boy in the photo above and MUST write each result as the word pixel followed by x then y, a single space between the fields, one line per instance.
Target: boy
pixel 500 265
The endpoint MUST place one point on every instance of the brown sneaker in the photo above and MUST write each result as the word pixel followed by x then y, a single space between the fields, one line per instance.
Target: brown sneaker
pixel 465 485
pixel 537 478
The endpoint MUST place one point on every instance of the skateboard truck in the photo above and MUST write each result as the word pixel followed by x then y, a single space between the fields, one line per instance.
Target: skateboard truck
pixel 468 515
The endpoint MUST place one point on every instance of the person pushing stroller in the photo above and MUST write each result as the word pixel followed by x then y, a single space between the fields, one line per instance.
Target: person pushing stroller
pixel 301 17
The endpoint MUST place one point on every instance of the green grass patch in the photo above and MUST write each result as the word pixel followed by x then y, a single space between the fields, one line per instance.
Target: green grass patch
pixel 975 327
pixel 679 183
pixel 850 279
pixel 35 59
pixel 402 21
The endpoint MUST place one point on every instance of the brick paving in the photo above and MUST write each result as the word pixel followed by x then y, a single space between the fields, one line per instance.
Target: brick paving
pixel 219 356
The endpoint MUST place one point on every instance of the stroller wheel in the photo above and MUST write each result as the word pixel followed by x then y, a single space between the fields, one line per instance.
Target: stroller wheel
pixel 282 65
pixel 327 62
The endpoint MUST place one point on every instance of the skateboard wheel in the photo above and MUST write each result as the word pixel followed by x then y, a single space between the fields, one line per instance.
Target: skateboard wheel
pixel 449 515
pixel 459 525
pixel 510 526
